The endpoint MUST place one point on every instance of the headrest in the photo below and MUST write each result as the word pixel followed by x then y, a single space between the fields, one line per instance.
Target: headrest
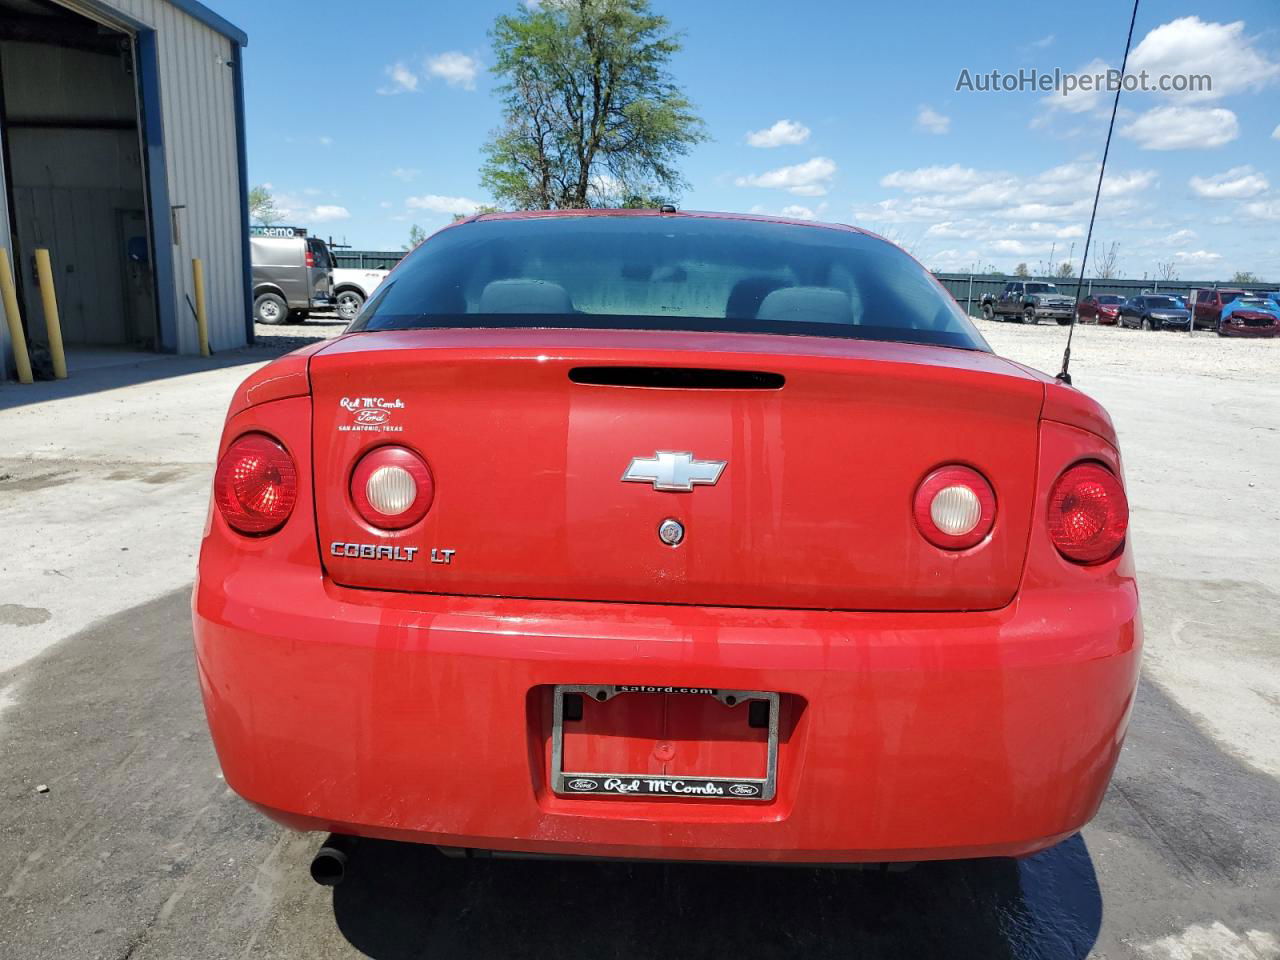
pixel 807 305
pixel 524 296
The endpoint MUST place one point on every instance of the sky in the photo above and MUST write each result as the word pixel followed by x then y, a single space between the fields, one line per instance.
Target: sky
pixel 368 118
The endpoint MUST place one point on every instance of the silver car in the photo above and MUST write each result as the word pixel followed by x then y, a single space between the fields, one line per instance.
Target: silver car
pixel 292 275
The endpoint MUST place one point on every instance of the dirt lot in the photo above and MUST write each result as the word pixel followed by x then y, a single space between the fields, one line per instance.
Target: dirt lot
pixel 139 850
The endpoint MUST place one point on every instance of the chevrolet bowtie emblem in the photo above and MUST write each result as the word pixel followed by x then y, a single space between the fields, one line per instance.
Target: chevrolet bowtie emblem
pixel 674 472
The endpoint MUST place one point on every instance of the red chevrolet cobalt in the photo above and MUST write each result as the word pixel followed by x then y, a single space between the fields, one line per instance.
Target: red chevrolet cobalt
pixel 665 535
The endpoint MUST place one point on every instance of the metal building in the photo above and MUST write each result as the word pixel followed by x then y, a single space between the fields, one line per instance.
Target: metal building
pixel 122 153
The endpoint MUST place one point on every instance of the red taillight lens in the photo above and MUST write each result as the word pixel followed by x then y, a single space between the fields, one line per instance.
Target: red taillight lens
pixel 1088 513
pixel 955 507
pixel 311 259
pixel 392 488
pixel 256 484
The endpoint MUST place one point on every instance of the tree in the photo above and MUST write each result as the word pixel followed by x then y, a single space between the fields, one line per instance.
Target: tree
pixel 591 114
pixel 1021 270
pixel 1065 270
pixel 1105 267
pixel 262 206
pixel 416 236
pixel 1244 276
pixel 1166 270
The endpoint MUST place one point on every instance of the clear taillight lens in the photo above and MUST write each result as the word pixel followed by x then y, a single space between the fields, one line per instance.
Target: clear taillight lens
pixel 392 488
pixel 256 484
pixel 1088 513
pixel 955 507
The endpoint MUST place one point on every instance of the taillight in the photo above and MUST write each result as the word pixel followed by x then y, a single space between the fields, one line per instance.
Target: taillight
pixel 955 507
pixel 1088 513
pixel 392 488
pixel 256 484
pixel 311 259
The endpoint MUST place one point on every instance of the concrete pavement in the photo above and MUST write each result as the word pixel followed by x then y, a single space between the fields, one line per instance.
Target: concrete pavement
pixel 139 850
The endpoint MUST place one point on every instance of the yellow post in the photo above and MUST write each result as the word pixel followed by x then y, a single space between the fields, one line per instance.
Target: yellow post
pixel 202 321
pixel 44 270
pixel 9 296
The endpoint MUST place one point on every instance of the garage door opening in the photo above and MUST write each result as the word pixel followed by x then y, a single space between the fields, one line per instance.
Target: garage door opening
pixel 75 176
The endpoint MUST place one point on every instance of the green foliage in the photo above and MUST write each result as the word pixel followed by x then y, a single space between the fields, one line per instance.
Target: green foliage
pixel 1065 270
pixel 591 114
pixel 262 206
pixel 416 236
pixel 1021 270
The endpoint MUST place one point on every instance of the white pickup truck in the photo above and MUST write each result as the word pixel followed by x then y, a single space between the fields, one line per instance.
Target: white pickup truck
pixel 352 286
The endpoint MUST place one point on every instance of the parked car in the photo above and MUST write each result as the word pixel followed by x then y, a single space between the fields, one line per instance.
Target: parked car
pixel 352 286
pixel 1209 303
pixel 1103 308
pixel 292 275
pixel 1155 312
pixel 1253 315
pixel 1028 300
pixel 509 567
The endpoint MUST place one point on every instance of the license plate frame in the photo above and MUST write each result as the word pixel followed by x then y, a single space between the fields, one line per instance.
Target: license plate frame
pixel 577 783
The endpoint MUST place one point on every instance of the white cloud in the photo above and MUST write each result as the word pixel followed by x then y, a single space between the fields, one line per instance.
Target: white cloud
pixel 931 121
pixel 808 179
pixel 1080 100
pixel 446 205
pixel 782 133
pixel 1197 256
pixel 795 211
pixel 1238 183
pixel 940 179
pixel 403 80
pixel 1043 42
pixel 454 68
pixel 1179 236
pixel 1191 45
pixel 1183 128
pixel 405 173
pixel 1275 134
pixel 1264 209
pixel 328 212
pixel 386 204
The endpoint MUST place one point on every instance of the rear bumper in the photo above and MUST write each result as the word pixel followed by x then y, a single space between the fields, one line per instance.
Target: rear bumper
pixel 426 718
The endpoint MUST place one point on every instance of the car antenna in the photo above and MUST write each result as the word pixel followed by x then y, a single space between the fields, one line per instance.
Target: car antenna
pixel 1064 374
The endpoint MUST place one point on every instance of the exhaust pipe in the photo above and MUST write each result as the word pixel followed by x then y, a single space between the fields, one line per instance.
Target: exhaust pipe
pixel 329 865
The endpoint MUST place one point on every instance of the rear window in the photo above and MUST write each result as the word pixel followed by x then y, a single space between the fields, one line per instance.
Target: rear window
pixel 668 273
pixel 320 251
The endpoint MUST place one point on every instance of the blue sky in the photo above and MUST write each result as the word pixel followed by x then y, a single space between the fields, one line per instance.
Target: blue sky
pixel 367 118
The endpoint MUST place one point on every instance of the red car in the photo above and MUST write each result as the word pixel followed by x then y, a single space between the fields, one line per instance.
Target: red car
pixel 672 536
pixel 1208 304
pixel 1102 309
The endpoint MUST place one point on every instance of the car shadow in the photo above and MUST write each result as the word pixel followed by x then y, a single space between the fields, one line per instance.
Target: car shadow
pixel 401 900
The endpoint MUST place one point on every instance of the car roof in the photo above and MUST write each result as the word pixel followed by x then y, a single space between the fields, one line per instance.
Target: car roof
pixel 649 212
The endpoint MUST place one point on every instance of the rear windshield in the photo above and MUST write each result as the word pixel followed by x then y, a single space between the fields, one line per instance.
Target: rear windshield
pixel 320 251
pixel 668 273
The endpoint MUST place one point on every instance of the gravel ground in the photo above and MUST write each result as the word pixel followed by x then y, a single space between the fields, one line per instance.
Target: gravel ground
pixel 1118 349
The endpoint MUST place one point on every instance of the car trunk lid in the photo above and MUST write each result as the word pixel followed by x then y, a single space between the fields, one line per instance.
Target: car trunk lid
pixel 822 442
